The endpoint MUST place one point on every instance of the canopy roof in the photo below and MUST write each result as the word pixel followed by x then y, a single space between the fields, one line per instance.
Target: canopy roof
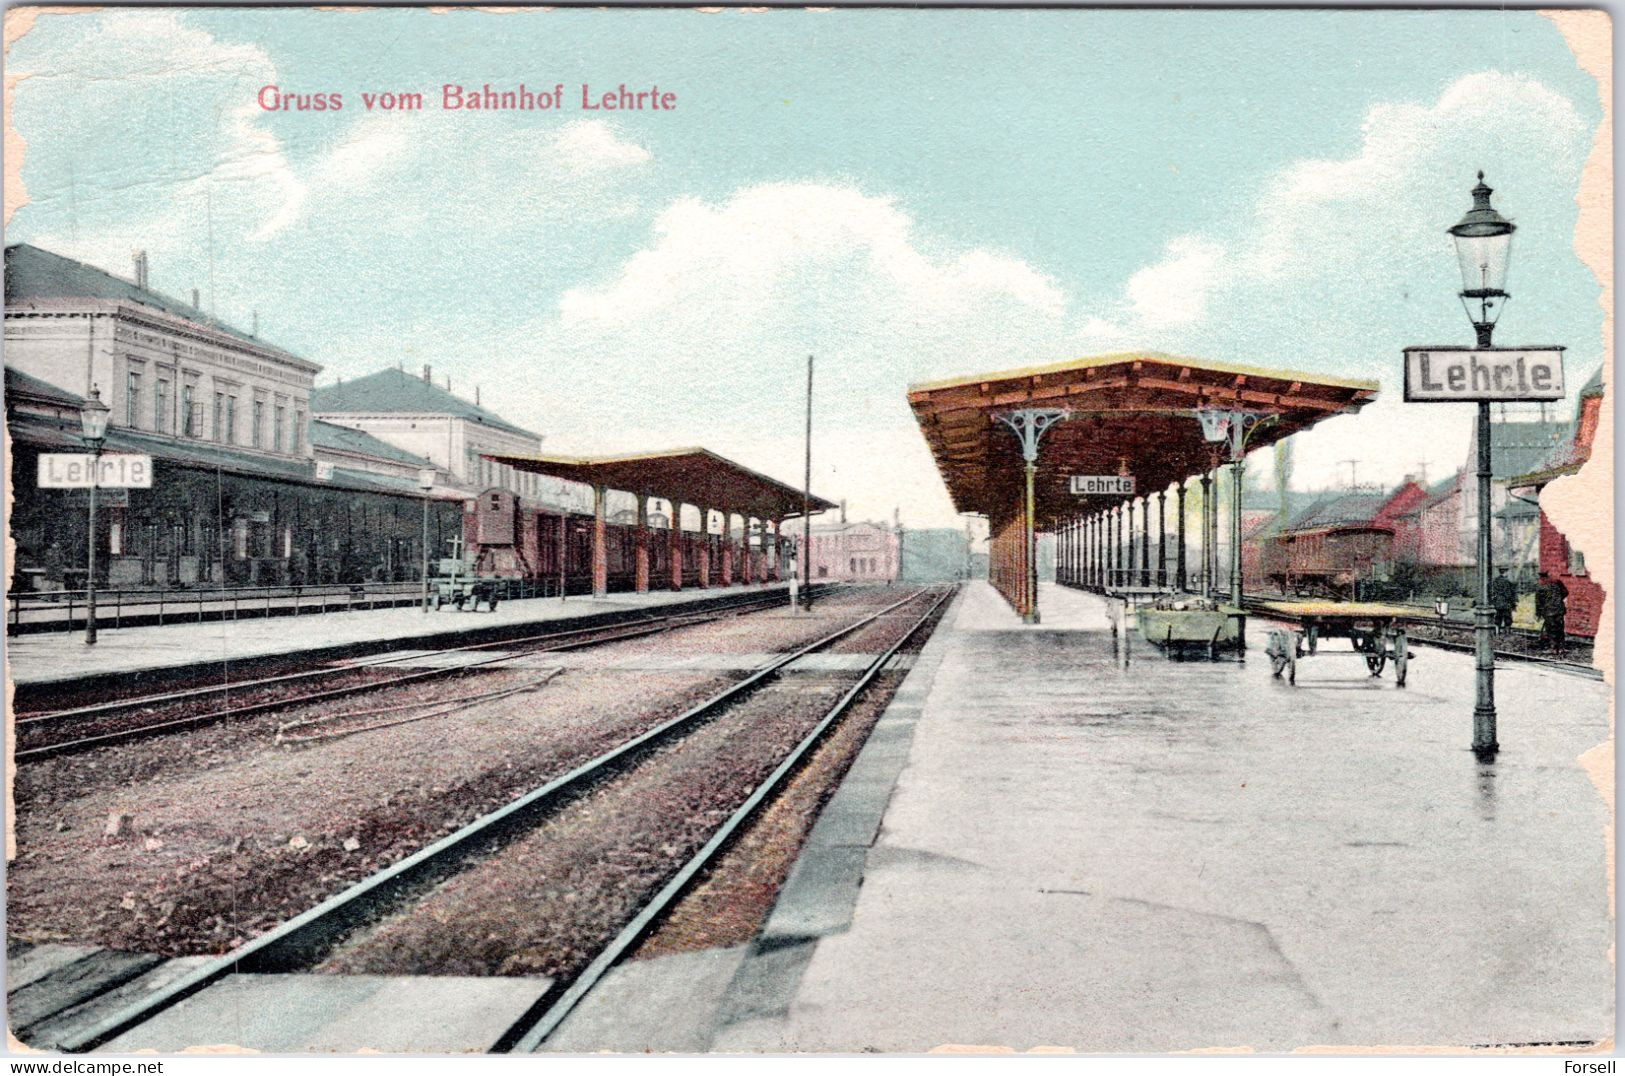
pixel 689 475
pixel 1131 410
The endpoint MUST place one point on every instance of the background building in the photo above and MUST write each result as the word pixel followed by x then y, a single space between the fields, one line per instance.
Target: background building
pixel 863 552
pixel 421 418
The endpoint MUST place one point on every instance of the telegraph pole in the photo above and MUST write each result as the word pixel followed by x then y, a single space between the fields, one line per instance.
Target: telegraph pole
pixel 806 501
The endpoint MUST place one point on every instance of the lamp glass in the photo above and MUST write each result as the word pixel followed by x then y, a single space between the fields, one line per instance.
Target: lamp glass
pixel 1484 261
pixel 93 417
pixel 426 478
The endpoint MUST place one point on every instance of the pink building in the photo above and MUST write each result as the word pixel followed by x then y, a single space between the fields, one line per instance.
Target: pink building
pixel 854 552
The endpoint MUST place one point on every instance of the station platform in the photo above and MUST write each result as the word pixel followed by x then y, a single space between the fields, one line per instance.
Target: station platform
pixel 1042 847
pixel 43 659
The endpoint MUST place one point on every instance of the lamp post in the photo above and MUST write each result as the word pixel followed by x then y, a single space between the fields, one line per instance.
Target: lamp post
pixel 426 482
pixel 93 422
pixel 1483 241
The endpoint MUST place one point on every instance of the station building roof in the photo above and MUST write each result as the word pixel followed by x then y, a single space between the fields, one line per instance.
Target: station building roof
pixel 690 475
pixel 395 391
pixel 1129 410
pixel 33 274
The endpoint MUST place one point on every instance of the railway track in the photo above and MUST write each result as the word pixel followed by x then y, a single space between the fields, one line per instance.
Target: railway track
pixel 47 734
pixel 301 942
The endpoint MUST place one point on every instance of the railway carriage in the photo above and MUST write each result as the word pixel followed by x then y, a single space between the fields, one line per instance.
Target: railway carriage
pixel 1328 562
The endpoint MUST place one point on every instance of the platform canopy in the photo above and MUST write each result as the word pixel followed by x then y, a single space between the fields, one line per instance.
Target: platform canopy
pixel 1131 412
pixel 695 476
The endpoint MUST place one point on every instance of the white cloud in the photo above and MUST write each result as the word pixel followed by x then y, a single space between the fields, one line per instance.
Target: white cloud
pixel 1333 226
pixel 759 247
pixel 593 145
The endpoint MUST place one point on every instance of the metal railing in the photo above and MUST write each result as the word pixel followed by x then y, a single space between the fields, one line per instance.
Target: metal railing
pixel 65 610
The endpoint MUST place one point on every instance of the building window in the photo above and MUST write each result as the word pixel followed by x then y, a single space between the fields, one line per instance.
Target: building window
pixel 257 427
pixel 115 539
pixel 1577 562
pixel 231 420
pixel 276 429
pixel 219 424
pixel 188 420
pixel 298 435
pixel 132 400
pixel 239 538
pixel 160 406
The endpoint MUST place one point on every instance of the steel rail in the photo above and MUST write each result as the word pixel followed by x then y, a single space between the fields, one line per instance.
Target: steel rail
pixel 529 1032
pixel 375 661
pixel 299 940
pixel 141 732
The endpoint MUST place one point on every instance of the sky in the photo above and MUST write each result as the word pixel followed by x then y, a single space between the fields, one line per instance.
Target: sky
pixel 905 195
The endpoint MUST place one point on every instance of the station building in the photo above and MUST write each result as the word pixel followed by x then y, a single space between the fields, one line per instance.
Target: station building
pixel 249 488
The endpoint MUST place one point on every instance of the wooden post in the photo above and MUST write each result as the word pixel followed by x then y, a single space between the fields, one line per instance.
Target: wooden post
pixel 600 554
pixel 640 537
pixel 674 543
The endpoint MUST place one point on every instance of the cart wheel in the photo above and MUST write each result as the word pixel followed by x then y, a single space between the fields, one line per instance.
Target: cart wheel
pixel 1376 662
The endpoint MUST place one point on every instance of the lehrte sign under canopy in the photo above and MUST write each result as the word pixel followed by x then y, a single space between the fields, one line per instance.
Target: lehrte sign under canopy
pixel 1102 485
pixel 1466 374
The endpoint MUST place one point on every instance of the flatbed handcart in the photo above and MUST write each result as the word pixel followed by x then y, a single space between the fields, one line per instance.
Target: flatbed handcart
pixel 1376 633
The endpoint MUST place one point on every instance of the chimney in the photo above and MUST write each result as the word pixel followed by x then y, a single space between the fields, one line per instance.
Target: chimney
pixel 140 268
pixel 255 330
pixel 428 375
pixel 843 509
pixel 194 300
pixel 476 395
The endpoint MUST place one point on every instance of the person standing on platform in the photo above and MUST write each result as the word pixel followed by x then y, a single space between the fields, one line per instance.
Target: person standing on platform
pixel 1552 606
pixel 1503 598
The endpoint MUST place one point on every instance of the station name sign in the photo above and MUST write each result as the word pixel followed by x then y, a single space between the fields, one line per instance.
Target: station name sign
pixel 1460 374
pixel 76 470
pixel 1102 484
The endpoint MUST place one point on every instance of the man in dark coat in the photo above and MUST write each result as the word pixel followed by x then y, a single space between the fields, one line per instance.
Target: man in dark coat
pixel 1503 598
pixel 1552 606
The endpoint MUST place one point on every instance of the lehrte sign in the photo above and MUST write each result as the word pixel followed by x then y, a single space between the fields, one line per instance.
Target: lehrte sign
pixel 1462 374
pixel 74 470
pixel 1102 484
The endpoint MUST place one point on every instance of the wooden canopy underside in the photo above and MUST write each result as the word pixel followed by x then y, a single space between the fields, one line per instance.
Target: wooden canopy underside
pixel 1131 413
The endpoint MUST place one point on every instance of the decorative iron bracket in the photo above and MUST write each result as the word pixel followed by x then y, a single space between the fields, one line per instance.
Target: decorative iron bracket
pixel 1233 427
pixel 1029 424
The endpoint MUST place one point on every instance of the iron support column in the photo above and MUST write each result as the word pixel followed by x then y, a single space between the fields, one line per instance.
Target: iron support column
pixel 1179 527
pixel 425 551
pixel 1207 533
pixel 1145 540
pixel 1484 738
pixel 1029 425
pixel 1162 538
pixel 1236 467
pixel 90 556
